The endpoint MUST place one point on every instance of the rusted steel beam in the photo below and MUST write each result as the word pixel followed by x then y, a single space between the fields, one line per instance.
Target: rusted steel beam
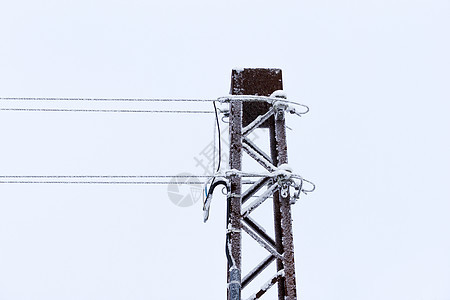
pixel 234 237
pixel 282 213
pixel 257 81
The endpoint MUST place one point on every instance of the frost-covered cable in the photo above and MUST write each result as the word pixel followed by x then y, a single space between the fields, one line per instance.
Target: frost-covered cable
pixel 103 176
pixel 99 182
pixel 107 110
pixel 214 145
pixel 94 179
pixel 109 99
pixel 220 140
pixel 220 99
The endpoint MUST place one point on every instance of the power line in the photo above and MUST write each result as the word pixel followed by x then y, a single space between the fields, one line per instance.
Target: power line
pixel 107 110
pixel 101 182
pixel 47 179
pixel 224 99
pixel 220 140
pixel 238 173
pixel 223 174
pixel 111 182
pixel 228 98
pixel 18 179
pixel 103 176
pixel 110 99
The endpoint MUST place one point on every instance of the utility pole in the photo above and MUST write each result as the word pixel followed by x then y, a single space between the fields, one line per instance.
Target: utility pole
pixel 256 101
pixel 246 116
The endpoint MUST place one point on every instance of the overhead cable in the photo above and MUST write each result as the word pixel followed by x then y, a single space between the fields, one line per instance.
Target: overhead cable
pixel 107 110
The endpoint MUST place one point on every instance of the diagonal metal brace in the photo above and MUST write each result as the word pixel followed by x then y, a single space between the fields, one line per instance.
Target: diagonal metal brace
pixel 259 158
pixel 260 200
pixel 259 230
pixel 257 149
pixel 263 243
pixel 257 122
pixel 254 188
pixel 257 270
pixel 268 285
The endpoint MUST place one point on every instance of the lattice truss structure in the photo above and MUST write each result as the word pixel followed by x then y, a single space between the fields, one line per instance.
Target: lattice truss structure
pixel 277 184
pixel 242 204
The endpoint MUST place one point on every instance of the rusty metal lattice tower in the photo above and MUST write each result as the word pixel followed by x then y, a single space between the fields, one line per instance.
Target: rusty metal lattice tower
pixel 246 116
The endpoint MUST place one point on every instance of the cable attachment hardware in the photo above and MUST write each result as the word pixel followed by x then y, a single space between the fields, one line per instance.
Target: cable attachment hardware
pixel 215 181
pixel 283 177
pixel 286 179
pixel 279 106
pixel 284 189
pixel 224 110
pixel 283 106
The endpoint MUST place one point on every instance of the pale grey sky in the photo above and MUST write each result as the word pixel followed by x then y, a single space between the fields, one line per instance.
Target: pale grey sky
pixel 375 74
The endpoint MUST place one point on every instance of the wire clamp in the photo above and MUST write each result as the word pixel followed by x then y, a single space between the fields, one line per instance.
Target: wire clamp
pixel 286 179
pixel 281 106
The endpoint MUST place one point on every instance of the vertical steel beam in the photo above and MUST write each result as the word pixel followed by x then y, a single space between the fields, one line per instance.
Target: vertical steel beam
pixel 234 203
pixel 282 212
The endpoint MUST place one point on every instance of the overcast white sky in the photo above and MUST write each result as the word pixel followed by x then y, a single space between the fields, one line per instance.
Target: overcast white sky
pixel 375 74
